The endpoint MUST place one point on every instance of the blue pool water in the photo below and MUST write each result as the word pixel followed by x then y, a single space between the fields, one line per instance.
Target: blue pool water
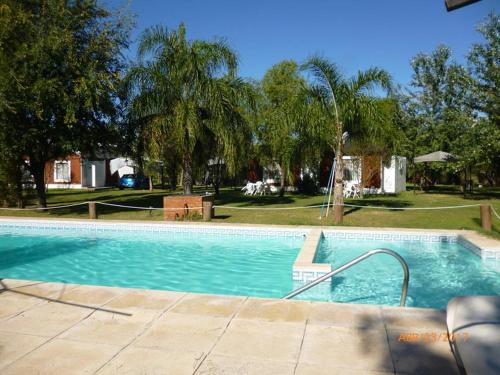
pixel 439 271
pixel 241 264
pixel 224 264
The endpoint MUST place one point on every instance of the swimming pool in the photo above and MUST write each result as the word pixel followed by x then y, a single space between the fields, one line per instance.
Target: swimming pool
pixel 248 261
pixel 439 271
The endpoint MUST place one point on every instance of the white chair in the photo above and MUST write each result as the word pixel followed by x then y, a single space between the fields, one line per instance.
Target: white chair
pixel 249 188
pixel 347 190
pixel 356 192
pixel 259 188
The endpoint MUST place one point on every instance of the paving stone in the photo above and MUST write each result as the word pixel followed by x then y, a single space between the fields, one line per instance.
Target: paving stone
pixel 48 319
pixel 14 345
pixel 145 300
pixel 12 304
pixel 422 358
pixel 183 332
pixel 352 348
pixel 105 331
pixel 275 310
pixel 416 318
pixel 85 294
pixel 172 333
pixel 346 315
pixel 63 357
pixel 332 369
pixel 261 340
pixel 134 361
pixel 43 290
pixel 218 364
pixel 219 306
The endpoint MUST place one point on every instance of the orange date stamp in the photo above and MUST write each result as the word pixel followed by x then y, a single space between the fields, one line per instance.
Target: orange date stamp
pixel 431 337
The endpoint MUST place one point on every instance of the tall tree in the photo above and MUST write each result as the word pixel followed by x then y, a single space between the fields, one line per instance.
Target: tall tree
pixel 282 117
pixel 185 92
pixel 441 97
pixel 64 76
pixel 484 60
pixel 350 106
pixel 484 63
pixel 451 110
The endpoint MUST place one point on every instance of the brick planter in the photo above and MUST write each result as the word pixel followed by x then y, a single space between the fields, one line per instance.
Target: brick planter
pixel 183 205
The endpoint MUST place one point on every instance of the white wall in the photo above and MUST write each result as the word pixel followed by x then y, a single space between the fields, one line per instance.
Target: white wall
pixel 94 173
pixel 395 175
pixel 400 174
pixel 99 177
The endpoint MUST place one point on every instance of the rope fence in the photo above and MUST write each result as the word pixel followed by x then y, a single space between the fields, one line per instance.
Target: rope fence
pixel 249 208
pixel 207 211
pixel 348 205
pixel 44 208
pixel 496 213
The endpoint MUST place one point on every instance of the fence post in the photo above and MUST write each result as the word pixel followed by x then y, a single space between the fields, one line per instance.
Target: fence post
pixel 485 211
pixel 207 210
pixel 92 211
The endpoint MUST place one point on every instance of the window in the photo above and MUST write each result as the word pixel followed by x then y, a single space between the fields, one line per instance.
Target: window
pixel 62 171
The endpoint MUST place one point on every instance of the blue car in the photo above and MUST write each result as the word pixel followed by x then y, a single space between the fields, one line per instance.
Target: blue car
pixel 133 181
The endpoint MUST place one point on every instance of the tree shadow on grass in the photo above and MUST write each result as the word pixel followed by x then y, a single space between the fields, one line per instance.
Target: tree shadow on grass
pixel 494 228
pixel 456 191
pixel 110 197
pixel 351 210
pixel 221 217
pixel 388 203
pixel 253 200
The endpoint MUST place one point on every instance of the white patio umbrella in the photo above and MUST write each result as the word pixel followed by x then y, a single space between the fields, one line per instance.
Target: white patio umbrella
pixel 435 156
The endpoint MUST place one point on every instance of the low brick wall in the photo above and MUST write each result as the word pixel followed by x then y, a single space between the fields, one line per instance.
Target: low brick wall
pixel 183 205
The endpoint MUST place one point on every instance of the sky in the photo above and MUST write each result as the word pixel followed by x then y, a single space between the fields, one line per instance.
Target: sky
pixel 356 34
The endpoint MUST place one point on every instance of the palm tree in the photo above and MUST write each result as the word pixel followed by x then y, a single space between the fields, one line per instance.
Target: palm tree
pixel 185 92
pixel 349 105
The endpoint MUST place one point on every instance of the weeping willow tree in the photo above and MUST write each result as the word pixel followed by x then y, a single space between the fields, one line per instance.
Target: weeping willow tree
pixel 282 112
pixel 186 96
pixel 350 106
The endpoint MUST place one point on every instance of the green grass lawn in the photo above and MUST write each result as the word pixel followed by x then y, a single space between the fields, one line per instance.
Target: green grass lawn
pixel 462 218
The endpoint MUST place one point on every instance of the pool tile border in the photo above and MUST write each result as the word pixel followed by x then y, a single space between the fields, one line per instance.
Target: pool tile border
pixel 389 235
pixel 109 226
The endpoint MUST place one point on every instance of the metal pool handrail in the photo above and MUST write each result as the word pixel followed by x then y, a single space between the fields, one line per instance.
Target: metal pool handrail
pixel 368 254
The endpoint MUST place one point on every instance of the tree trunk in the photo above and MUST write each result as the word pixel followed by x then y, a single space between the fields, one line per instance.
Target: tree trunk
pixel 162 175
pixel 338 191
pixel 38 171
pixel 150 183
pixel 282 180
pixel 173 181
pixel 187 174
pixel 172 173
pixel 19 188
pixel 216 179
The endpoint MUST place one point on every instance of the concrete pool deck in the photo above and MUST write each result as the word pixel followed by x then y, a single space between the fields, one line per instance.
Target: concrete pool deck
pixel 55 328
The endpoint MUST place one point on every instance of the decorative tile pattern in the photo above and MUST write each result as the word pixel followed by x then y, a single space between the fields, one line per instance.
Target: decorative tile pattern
pixel 393 236
pixel 102 227
pixel 305 275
